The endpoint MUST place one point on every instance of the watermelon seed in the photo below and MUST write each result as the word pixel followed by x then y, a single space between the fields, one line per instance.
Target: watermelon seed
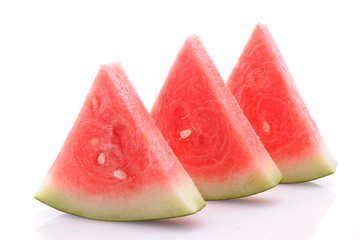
pixel 185 133
pixel 101 158
pixel 266 127
pixel 120 174
pixel 95 103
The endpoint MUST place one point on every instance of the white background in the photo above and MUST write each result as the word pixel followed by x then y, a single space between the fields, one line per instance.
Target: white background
pixel 50 53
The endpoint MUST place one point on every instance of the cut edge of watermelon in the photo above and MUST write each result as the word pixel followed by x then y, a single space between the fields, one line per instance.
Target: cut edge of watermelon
pixel 265 177
pixel 142 205
pixel 319 165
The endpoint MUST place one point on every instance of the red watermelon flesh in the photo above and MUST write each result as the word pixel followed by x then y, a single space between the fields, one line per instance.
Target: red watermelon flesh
pixel 207 130
pixel 115 164
pixel 266 92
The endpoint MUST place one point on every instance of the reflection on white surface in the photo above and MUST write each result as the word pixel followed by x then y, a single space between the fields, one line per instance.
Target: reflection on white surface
pixel 289 211
pixel 72 227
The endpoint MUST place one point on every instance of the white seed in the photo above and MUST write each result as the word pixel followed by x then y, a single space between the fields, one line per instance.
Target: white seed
pixel 120 174
pixel 185 133
pixel 95 103
pixel 101 158
pixel 266 127
pixel 94 142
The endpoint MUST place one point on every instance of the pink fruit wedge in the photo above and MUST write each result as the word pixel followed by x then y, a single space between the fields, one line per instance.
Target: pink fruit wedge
pixel 207 130
pixel 266 92
pixel 115 165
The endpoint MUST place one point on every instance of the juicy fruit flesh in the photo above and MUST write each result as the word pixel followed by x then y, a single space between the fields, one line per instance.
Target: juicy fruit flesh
pixel 115 164
pixel 99 148
pixel 265 90
pixel 203 147
pixel 286 138
pixel 196 114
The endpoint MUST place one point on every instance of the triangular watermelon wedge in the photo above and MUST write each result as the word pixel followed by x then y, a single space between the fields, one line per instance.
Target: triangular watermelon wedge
pixel 266 92
pixel 115 165
pixel 207 130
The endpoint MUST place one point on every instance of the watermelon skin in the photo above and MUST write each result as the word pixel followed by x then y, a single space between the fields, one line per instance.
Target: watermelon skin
pixel 266 92
pixel 203 124
pixel 115 165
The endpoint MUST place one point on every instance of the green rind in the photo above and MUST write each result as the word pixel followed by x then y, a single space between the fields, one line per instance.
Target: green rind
pixel 247 194
pixel 320 165
pixel 261 179
pixel 129 220
pixel 153 203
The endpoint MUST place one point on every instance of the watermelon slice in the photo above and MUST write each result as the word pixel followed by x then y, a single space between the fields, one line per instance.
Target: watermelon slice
pixel 266 92
pixel 115 165
pixel 207 130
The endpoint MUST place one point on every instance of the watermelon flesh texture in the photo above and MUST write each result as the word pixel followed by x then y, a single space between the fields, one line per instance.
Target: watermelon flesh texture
pixel 266 92
pixel 207 130
pixel 115 165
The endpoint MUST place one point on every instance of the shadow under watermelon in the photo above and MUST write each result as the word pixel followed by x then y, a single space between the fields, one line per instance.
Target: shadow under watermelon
pixel 68 227
pixel 288 211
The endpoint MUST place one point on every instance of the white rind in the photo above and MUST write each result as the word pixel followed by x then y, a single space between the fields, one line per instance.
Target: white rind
pixel 265 175
pixel 319 165
pixel 150 203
